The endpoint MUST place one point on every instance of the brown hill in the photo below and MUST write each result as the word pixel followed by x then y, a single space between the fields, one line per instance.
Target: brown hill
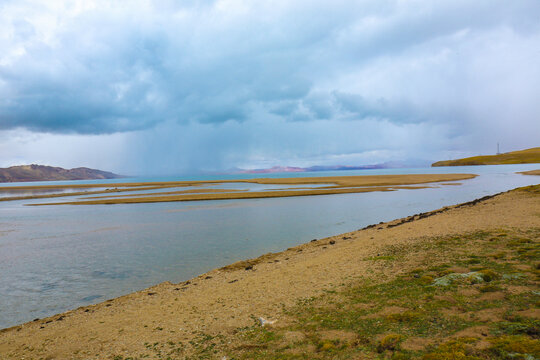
pixel 528 156
pixel 49 173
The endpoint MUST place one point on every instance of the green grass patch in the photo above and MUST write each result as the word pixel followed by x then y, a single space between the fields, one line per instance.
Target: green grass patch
pixel 376 317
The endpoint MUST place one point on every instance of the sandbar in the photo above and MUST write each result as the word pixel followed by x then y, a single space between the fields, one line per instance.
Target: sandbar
pixel 335 185
pixel 530 172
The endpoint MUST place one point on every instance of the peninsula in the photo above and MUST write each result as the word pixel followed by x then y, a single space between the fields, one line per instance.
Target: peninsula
pixel 527 156
pixel 23 173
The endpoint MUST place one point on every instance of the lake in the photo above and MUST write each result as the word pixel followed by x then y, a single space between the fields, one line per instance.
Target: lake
pixel 56 258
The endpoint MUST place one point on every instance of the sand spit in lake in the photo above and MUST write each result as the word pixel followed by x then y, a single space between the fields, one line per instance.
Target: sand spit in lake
pixel 324 186
pixel 306 288
pixel 530 172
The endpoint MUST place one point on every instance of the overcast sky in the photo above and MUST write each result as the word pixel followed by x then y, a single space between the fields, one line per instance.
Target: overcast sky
pixel 164 87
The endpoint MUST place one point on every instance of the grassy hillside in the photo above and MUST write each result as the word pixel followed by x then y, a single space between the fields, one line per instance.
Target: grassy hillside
pixel 527 156
pixel 48 173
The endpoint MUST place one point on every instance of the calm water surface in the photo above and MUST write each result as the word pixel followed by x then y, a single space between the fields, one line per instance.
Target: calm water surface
pixel 56 258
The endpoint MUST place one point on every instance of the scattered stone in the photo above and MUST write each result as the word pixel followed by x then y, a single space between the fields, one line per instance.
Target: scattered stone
pixel 313 240
pixel 86 310
pixel 265 322
pixel 332 242
pixel 151 293
pixel 249 267
pixel 36 319
pixel 474 277
pixel 208 277
pixel 514 276
pixel 233 281
pixel 60 318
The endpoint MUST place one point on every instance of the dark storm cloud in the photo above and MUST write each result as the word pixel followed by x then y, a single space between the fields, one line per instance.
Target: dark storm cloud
pixel 94 68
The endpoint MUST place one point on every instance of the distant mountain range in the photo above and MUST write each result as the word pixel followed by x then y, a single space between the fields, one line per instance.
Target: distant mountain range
pixel 284 169
pixel 527 156
pixel 49 173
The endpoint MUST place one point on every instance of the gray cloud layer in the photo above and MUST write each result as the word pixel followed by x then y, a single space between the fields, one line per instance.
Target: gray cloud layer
pixel 257 82
pixel 109 68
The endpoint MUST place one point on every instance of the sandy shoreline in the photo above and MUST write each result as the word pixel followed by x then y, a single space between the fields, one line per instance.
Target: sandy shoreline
pixel 224 300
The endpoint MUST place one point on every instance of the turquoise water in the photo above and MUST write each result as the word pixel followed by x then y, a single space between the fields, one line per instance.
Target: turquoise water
pixel 56 258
